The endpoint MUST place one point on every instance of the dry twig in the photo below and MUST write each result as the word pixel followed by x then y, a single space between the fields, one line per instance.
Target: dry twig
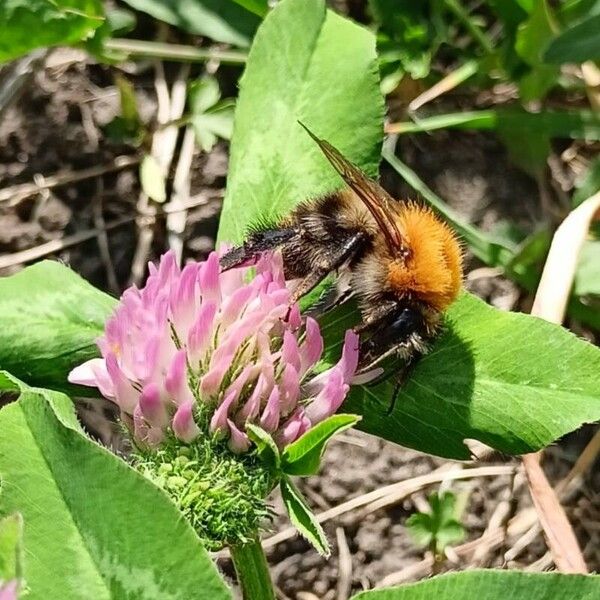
pixel 54 246
pixel 344 583
pixel 17 193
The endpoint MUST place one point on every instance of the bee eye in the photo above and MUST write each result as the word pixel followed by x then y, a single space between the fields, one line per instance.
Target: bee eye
pixel 404 324
pixel 397 330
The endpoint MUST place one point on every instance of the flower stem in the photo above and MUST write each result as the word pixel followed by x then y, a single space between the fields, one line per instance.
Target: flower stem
pixel 252 571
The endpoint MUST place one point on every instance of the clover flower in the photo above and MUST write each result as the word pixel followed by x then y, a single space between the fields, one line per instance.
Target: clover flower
pixel 9 590
pixel 196 350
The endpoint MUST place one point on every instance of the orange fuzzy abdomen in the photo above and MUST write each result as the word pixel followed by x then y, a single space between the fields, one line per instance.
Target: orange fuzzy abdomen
pixel 432 271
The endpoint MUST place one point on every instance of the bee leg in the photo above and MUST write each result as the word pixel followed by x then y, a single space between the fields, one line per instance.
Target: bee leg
pixel 327 265
pixel 254 246
pixel 403 376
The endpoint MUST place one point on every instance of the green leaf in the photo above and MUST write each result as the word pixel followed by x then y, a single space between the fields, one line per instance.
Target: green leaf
pixel 492 376
pixel 577 44
pixel 492 584
pixel 210 118
pixel 216 123
pixel 204 93
pixel 93 527
pixel 327 78
pixel 533 36
pixel 420 528
pixel 11 547
pixel 29 24
pixel 439 527
pixel 50 319
pixel 152 178
pixel 587 277
pixel 535 33
pixel 450 533
pixel 120 21
pixel 221 20
pixel 258 7
pixel 302 517
pixel 267 449
pixel 303 456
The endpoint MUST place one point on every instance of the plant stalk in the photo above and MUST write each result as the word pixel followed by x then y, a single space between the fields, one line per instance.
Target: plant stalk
pixel 252 571
pixel 175 52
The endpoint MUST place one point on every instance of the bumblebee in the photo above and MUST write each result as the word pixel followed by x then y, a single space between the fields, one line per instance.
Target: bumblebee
pixel 400 260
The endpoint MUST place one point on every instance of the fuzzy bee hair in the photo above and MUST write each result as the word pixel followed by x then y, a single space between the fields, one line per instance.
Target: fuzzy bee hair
pixel 400 260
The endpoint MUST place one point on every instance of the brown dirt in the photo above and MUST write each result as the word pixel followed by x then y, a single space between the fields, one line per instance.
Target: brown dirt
pixel 56 126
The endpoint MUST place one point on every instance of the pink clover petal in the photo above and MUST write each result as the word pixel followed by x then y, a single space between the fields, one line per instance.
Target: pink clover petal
pixel 293 428
pixel 176 383
pixel 251 407
pixel 152 407
pixel 209 279
pixel 200 334
pixel 184 426
pixel 218 422
pixel 9 590
pixel 294 318
pixel 126 395
pixel 349 360
pixel 183 300
pixel 249 372
pixel 269 419
pixel 85 373
pixel 289 387
pixel 329 399
pixel 238 440
pixel 236 304
pixel 290 353
pixel 312 347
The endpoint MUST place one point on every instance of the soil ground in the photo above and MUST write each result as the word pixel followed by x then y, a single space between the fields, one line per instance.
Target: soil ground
pixel 57 127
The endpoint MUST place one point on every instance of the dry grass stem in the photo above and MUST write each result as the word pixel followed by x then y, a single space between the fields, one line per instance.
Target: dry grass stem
pixel 19 192
pixel 344 582
pixel 55 246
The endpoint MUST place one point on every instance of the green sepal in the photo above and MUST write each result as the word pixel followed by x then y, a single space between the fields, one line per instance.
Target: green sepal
pixel 303 456
pixel 303 518
pixel 265 445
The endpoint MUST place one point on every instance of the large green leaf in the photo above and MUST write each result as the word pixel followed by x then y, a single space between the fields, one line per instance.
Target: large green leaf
pixel 220 20
pixel 512 381
pixel 29 24
pixel 493 585
pixel 93 527
pixel 49 320
pixel 311 65
pixel 577 44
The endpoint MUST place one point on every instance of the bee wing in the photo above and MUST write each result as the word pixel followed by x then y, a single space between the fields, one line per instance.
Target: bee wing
pixel 375 198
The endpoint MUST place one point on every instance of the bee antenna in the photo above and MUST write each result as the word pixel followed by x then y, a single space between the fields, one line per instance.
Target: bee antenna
pixel 312 135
